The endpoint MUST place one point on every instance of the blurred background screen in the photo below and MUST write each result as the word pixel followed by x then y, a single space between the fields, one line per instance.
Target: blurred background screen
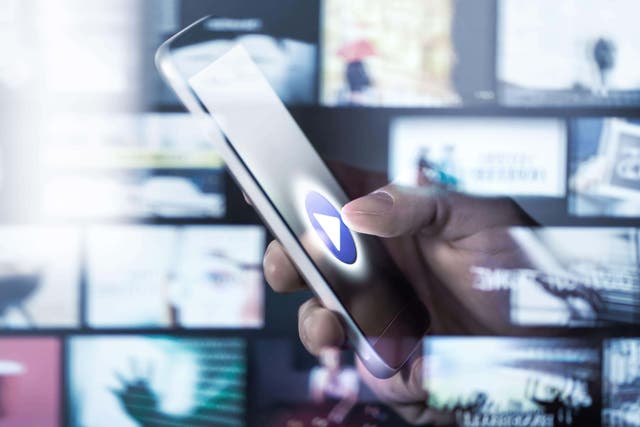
pixel 131 284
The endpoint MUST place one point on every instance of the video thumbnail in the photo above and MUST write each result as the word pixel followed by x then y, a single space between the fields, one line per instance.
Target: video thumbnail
pixel 30 382
pixel 569 277
pixel 604 163
pixel 577 53
pixel 621 383
pixel 417 53
pixel 39 277
pixel 294 388
pixel 132 166
pixel 483 156
pixel 132 381
pixel 542 382
pixel 69 37
pixel 280 36
pixel 179 277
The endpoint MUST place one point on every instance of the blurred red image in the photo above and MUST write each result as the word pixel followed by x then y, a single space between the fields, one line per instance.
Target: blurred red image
pixel 29 382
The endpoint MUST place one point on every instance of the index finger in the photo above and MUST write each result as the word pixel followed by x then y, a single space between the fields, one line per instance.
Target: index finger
pixel 279 270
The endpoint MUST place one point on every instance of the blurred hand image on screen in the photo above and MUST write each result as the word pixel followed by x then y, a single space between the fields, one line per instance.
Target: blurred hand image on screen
pixel 157 381
pixel 436 236
pixel 141 403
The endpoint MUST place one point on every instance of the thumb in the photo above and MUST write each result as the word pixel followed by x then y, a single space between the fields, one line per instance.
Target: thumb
pixel 395 210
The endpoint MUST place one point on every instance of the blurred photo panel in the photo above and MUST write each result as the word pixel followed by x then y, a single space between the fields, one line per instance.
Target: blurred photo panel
pixel 513 381
pixel 293 388
pixel 567 277
pixel 175 277
pixel 283 44
pixel 128 166
pixel 574 53
pixel 621 383
pixel 411 53
pixel 481 156
pixel 604 162
pixel 39 277
pixel 218 279
pixel 156 381
pixel 30 382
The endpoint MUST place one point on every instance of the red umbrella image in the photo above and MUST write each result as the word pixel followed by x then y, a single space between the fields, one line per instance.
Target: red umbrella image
pixel 357 50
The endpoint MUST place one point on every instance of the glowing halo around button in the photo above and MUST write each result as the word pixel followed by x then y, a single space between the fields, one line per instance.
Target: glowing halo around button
pixel 302 186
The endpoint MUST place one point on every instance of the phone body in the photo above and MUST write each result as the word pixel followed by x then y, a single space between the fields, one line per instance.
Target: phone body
pixel 296 195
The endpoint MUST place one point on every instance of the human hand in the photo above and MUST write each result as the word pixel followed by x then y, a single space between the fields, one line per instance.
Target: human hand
pixel 136 395
pixel 435 236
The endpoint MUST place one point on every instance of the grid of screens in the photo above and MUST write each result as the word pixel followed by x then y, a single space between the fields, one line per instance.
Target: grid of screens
pixel 131 277
pixel 177 381
pixel 131 286
pixel 434 53
pixel 418 53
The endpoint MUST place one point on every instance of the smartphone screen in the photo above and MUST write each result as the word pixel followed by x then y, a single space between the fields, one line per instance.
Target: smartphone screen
pixel 308 198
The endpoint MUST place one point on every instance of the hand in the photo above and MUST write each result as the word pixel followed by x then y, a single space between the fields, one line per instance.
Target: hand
pixel 435 236
pixel 136 395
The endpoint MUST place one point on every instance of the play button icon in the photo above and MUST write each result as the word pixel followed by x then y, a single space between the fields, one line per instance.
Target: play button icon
pixel 328 225
pixel 331 226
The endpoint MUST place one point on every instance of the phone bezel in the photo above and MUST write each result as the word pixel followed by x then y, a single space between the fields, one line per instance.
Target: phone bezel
pixel 269 214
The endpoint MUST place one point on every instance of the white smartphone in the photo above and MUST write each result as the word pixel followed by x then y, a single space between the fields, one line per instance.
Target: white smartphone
pixel 296 195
